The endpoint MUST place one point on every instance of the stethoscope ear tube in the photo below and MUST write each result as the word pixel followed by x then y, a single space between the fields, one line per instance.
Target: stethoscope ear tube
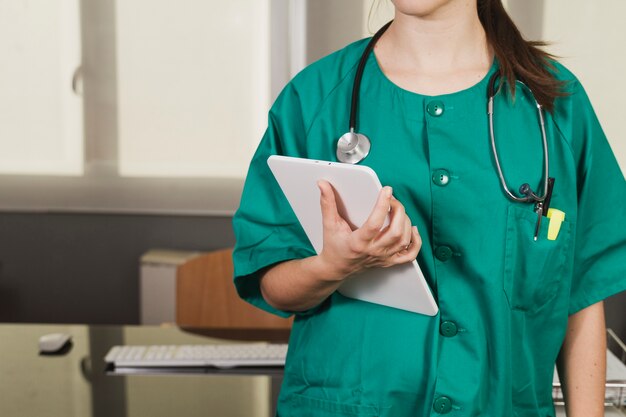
pixel 356 87
pixel 491 87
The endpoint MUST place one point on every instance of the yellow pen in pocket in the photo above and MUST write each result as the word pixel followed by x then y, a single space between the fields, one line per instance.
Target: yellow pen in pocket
pixel 556 218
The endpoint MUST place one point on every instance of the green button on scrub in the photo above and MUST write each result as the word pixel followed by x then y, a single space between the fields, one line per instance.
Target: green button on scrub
pixel 443 253
pixel 442 405
pixel 435 108
pixel 448 328
pixel 441 177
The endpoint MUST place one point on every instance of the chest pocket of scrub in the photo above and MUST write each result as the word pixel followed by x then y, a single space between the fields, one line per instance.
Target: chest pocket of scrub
pixel 533 270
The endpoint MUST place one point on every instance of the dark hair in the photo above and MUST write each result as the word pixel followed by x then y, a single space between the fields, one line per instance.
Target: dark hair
pixel 519 58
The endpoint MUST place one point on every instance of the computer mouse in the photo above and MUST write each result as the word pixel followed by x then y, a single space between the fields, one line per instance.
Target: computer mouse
pixel 55 344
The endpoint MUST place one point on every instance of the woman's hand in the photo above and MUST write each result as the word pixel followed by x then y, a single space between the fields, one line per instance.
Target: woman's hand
pixel 300 284
pixel 346 251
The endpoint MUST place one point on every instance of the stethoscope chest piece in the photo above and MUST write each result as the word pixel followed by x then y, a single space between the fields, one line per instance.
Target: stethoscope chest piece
pixel 352 147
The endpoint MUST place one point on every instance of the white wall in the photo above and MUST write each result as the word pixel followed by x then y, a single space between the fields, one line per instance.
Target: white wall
pixel 589 36
pixel 376 13
pixel 193 86
pixel 41 111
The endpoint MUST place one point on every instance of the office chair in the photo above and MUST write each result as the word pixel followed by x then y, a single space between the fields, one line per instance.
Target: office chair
pixel 207 302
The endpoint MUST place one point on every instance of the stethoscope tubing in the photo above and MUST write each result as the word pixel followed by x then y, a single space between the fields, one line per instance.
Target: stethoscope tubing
pixel 530 195
pixel 356 88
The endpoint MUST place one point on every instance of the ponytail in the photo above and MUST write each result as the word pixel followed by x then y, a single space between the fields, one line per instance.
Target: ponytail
pixel 518 58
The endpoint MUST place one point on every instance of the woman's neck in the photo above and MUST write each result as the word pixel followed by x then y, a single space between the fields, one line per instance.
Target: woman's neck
pixel 439 52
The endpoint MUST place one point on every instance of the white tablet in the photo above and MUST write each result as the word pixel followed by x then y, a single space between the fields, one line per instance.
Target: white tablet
pixel 356 188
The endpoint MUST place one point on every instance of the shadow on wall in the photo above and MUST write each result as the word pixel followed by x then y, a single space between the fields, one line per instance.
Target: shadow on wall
pixel 9 297
pixel 331 25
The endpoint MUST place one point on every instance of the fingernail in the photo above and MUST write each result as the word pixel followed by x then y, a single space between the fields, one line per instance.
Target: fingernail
pixel 388 191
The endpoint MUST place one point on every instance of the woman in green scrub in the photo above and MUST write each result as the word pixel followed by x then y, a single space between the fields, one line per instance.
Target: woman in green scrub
pixel 510 306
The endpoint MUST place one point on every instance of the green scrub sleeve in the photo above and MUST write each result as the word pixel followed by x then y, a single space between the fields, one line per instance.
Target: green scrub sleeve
pixel 600 251
pixel 266 229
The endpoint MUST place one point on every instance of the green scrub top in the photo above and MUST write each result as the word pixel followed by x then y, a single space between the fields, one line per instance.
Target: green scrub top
pixel 504 298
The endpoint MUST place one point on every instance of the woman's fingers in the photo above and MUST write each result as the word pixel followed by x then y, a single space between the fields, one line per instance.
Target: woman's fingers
pixel 416 242
pixel 330 214
pixel 407 238
pixel 376 220
pixel 409 254
pixel 397 235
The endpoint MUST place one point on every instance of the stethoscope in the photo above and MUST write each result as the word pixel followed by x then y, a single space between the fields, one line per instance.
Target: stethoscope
pixel 353 147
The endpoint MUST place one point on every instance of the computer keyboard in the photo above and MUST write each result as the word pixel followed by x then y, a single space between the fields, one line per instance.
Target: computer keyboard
pixel 223 356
